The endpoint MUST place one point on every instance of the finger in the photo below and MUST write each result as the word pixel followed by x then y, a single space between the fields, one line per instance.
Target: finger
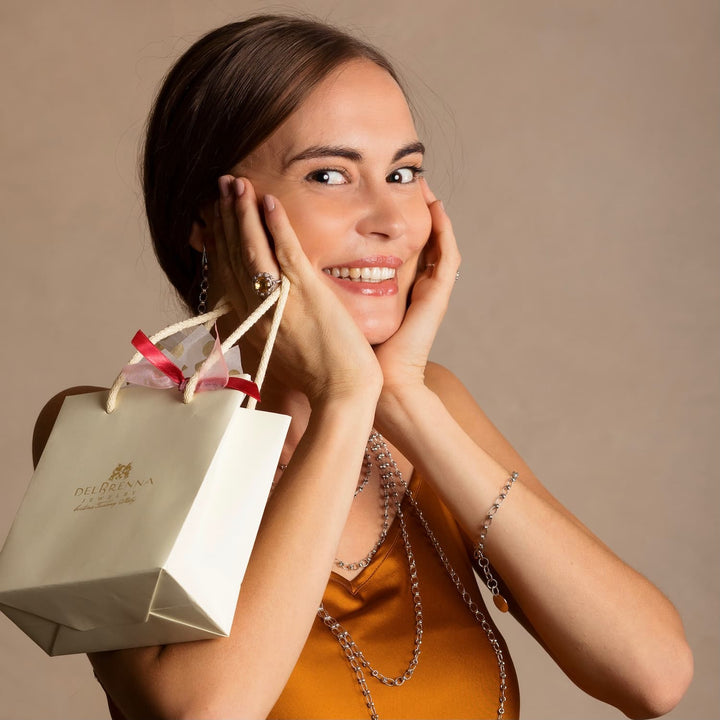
pixel 246 247
pixel 432 290
pixel 229 230
pixel 430 252
pixel 428 194
pixel 442 257
pixel 443 252
pixel 288 251
pixel 256 253
pixel 223 273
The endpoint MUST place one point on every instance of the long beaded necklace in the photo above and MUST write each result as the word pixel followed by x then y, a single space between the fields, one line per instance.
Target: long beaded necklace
pixel 389 474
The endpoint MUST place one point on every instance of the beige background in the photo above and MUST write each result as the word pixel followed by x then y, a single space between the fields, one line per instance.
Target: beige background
pixel 576 146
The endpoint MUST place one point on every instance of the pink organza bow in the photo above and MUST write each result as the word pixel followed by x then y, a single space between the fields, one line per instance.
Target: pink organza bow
pixel 162 373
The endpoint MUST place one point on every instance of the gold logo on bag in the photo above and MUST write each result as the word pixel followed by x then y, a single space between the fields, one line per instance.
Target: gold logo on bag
pixel 119 489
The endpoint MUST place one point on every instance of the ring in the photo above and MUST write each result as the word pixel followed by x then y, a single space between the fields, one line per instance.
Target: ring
pixel 264 284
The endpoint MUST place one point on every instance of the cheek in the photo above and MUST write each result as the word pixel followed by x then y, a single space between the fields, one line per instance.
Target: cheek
pixel 317 224
pixel 419 225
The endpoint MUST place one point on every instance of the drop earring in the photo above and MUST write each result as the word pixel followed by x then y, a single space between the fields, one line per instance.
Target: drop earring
pixel 202 301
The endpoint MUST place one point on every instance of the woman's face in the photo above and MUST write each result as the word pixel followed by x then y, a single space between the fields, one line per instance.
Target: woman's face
pixel 345 166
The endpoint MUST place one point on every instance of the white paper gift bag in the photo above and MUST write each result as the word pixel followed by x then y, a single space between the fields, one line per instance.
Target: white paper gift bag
pixel 138 523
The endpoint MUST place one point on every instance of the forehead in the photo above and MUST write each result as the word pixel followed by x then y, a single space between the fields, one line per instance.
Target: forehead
pixel 359 105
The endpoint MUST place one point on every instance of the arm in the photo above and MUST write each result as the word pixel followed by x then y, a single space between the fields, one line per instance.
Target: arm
pixel 610 630
pixel 243 675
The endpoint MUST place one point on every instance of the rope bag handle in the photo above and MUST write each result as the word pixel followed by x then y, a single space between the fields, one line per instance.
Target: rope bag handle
pixel 278 296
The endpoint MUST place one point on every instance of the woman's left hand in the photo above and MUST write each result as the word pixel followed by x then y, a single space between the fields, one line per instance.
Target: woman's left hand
pixel 403 356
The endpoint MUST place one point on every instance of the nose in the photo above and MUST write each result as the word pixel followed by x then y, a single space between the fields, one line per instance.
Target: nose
pixel 381 213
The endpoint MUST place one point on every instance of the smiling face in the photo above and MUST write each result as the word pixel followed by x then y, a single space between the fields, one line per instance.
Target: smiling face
pixel 345 166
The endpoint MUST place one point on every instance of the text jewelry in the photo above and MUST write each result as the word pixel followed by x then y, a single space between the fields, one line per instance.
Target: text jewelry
pixel 389 471
pixel 202 300
pixel 500 602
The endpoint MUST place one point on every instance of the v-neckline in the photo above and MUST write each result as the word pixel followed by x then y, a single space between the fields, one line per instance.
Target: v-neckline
pixel 354 585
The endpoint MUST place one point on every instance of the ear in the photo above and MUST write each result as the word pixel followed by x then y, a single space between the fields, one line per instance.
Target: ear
pixel 201 234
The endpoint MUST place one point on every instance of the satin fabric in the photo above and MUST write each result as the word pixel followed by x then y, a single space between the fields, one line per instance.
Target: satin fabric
pixel 457 674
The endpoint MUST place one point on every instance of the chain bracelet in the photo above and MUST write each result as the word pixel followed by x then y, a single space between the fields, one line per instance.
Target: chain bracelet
pixel 479 554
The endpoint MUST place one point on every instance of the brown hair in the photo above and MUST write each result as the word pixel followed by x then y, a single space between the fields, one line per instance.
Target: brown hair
pixel 224 96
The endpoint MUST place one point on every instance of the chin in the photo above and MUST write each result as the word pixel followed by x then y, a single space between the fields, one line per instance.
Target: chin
pixel 379 320
pixel 378 330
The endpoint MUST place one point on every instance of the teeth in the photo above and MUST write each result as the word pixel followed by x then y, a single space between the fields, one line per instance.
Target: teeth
pixel 366 274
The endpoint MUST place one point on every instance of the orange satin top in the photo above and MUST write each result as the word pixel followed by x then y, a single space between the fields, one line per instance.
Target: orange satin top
pixel 457 674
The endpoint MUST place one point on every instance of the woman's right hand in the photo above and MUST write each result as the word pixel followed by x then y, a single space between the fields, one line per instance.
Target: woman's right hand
pixel 321 352
pixel 319 349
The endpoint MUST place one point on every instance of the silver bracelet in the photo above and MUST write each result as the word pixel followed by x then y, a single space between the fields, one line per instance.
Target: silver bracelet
pixel 500 602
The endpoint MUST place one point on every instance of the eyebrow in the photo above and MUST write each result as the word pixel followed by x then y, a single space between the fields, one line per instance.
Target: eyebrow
pixel 320 151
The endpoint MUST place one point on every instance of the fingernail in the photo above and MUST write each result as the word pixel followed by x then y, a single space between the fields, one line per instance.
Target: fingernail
pixel 269 201
pixel 224 187
pixel 239 187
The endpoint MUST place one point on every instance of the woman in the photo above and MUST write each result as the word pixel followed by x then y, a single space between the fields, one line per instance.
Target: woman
pixel 282 146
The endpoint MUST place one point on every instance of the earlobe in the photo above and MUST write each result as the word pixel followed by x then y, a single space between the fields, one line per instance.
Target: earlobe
pixel 197 236
pixel 201 233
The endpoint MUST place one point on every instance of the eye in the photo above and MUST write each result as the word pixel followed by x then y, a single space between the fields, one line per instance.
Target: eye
pixel 327 177
pixel 404 175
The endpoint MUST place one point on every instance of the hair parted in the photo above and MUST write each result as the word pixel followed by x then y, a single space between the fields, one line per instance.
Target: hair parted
pixel 225 95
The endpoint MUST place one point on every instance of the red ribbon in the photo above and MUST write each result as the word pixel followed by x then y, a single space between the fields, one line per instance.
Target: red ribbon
pixel 142 343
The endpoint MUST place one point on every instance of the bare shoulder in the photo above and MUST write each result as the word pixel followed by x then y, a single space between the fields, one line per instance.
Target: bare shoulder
pixel 470 416
pixel 463 407
pixel 46 419
pixel 466 411
pixel 448 387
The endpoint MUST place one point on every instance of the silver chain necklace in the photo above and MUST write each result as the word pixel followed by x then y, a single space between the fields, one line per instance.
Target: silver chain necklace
pixel 366 476
pixel 360 564
pixel 389 471
pixel 385 493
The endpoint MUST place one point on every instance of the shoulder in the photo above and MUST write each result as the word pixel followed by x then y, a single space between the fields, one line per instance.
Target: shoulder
pixel 46 419
pixel 442 381
pixel 469 415
pixel 460 402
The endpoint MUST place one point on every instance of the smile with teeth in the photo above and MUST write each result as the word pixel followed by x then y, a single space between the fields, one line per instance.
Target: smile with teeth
pixel 374 274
